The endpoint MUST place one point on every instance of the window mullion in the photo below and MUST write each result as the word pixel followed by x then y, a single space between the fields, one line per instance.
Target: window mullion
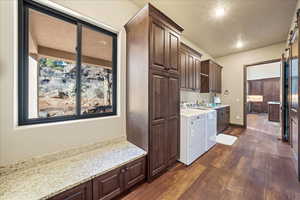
pixel 78 69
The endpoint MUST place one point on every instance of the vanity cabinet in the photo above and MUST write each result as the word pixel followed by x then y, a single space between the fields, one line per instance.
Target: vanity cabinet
pixel 223 118
pixel 190 68
pixel 109 185
pixel 153 84
pixel 211 75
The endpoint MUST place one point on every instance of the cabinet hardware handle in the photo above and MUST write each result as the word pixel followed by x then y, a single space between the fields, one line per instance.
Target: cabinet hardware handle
pixel 122 170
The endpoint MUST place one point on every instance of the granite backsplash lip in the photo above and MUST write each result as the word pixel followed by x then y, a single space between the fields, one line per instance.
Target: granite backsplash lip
pixel 46 180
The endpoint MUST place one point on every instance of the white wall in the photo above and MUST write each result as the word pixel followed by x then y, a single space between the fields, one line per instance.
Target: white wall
pixel 270 70
pixel 232 75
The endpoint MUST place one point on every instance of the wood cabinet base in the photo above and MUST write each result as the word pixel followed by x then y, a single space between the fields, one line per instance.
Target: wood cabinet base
pixel 108 185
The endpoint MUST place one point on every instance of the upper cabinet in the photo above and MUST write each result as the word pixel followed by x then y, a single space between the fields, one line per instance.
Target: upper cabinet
pixel 164 46
pixel 211 77
pixel 190 68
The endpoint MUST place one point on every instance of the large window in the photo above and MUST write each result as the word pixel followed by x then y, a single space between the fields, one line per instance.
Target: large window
pixel 67 67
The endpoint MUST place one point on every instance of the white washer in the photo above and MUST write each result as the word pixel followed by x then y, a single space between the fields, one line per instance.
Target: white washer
pixel 192 135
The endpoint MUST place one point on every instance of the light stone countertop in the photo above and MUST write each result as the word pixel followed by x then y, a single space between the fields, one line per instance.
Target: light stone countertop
pixel 220 106
pixel 47 180
pixel 273 102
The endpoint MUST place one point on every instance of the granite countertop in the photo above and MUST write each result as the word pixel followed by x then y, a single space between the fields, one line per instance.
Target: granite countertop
pixel 45 181
pixel 273 102
pixel 220 106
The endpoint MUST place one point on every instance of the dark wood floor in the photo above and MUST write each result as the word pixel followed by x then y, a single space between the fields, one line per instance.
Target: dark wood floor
pixel 258 166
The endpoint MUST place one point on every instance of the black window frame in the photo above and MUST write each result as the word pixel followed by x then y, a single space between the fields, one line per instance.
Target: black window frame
pixel 23 15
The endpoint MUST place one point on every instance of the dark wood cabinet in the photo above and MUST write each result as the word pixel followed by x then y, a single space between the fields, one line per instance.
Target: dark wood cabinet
pixel 268 88
pixel 183 70
pixel 173 54
pixel 113 183
pixel 223 118
pixel 190 68
pixel 255 87
pixel 135 172
pixel 154 63
pixel 211 75
pixel 274 112
pixel 81 192
pixel 108 185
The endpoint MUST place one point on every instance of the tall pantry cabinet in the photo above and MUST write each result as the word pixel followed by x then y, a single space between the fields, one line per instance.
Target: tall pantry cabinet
pixel 153 84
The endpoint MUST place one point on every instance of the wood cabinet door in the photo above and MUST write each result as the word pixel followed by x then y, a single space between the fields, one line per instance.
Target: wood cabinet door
pixel 191 67
pixel 158 150
pixel 183 70
pixel 173 121
pixel 204 77
pixel 212 77
pixel 158 129
pixel 218 79
pixel 173 43
pixel 158 45
pixel 81 192
pixel 173 97
pixel 256 87
pixel 159 97
pixel 173 140
pixel 219 120
pixel 197 74
pixel 108 186
pixel 134 173
pixel 227 117
pixel 274 112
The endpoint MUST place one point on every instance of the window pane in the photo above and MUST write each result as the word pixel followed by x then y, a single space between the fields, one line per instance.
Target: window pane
pixel 96 72
pixel 52 66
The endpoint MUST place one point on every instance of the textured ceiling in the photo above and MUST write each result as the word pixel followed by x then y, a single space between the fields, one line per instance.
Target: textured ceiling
pixel 257 23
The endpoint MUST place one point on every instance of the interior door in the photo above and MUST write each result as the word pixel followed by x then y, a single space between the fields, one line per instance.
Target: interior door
pixel 294 97
pixel 284 100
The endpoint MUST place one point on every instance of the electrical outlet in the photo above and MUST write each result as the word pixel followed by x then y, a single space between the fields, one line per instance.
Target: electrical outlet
pixel 237 117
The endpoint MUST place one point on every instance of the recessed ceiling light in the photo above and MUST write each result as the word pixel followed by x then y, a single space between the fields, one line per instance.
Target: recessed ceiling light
pixel 239 44
pixel 220 12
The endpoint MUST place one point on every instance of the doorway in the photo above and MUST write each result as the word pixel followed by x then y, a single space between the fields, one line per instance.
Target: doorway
pixel 262 85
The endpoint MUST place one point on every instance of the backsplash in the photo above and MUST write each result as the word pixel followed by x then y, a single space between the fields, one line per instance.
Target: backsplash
pixel 189 96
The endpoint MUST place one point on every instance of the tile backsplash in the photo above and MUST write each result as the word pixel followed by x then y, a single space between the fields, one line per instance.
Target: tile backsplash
pixel 189 96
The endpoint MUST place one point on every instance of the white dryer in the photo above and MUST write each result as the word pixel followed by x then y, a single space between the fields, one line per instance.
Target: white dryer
pixel 211 129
